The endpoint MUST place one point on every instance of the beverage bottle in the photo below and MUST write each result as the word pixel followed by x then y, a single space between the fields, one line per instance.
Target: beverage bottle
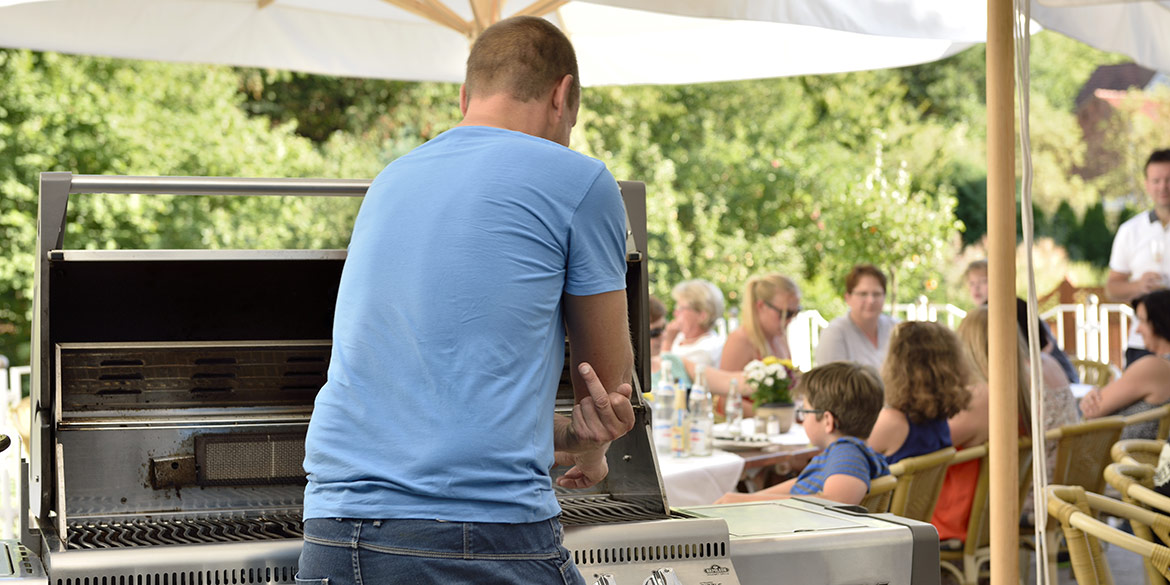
pixel 661 413
pixel 734 410
pixel 680 436
pixel 702 417
pixel 773 427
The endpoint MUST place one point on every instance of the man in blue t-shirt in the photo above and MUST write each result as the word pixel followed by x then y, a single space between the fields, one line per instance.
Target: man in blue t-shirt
pixel 471 259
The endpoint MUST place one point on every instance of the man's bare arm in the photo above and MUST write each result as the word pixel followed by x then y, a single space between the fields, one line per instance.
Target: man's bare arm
pixel 602 368
pixel 599 333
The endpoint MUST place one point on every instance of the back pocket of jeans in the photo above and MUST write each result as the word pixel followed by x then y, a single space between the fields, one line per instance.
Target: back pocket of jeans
pixel 301 581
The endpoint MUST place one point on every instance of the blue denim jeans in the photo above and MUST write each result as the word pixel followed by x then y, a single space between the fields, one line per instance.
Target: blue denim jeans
pixel 346 551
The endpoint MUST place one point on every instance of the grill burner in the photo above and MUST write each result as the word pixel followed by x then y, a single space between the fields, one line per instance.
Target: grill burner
pixel 585 510
pixel 137 532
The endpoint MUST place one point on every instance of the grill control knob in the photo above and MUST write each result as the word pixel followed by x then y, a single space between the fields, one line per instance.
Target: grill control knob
pixel 605 579
pixel 663 576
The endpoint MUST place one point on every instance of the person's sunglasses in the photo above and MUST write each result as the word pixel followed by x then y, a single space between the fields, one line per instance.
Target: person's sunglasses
pixel 785 314
pixel 656 332
pixel 800 411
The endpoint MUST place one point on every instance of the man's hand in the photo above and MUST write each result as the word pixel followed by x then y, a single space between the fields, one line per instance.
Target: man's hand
pixel 1151 281
pixel 602 416
pixel 598 419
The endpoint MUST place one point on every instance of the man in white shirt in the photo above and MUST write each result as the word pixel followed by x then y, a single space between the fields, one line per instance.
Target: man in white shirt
pixel 1140 261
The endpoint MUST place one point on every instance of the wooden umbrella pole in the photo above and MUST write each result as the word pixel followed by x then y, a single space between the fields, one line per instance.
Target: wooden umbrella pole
pixel 1001 249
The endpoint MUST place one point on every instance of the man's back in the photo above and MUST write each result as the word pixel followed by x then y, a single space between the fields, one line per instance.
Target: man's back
pixel 450 309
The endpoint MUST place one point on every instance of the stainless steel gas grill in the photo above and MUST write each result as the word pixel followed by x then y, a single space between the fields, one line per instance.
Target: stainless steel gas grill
pixel 173 390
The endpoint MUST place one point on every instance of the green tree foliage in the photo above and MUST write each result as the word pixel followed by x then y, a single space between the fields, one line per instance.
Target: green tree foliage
pixel 95 116
pixel 1095 237
pixel 884 222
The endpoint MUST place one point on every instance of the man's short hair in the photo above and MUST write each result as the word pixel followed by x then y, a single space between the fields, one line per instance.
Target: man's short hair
pixel 1159 156
pixel 851 391
pixel 524 56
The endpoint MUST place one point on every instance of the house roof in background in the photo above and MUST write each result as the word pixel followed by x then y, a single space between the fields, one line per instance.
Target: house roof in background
pixel 1119 77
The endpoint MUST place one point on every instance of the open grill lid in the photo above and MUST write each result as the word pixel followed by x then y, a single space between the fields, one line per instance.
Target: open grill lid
pixel 151 357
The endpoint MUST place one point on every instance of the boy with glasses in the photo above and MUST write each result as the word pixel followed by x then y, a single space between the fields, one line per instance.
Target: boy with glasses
pixel 841 404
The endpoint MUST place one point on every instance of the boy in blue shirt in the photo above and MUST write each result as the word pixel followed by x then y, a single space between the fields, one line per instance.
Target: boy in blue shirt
pixel 841 404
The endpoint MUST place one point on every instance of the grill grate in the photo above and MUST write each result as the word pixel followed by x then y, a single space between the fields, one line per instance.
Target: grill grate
pixel 604 509
pixel 96 535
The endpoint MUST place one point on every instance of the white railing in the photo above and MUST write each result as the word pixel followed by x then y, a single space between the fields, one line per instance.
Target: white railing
pixel 11 381
pixel 804 333
pixel 924 310
pixel 1091 328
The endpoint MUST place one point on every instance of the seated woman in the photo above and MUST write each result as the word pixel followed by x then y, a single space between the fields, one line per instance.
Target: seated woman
pixel 770 302
pixel 926 379
pixel 861 335
pixel 691 335
pixel 1145 384
pixel 970 427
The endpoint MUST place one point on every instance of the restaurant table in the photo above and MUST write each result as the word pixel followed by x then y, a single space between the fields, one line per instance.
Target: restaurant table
pixel 780 458
pixel 699 481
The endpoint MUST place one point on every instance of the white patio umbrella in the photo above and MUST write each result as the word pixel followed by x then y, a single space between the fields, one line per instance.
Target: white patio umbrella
pixel 617 43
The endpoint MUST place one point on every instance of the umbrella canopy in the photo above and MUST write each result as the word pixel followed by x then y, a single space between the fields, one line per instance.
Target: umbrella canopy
pixel 618 42
pixel 1137 28
pixel 1140 30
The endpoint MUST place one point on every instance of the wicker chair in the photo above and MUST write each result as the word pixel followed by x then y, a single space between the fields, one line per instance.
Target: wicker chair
pixel 881 491
pixel 1135 482
pixel 1137 451
pixel 1082 453
pixel 920 479
pixel 1160 414
pixel 965 564
pixel 1093 372
pixel 1076 510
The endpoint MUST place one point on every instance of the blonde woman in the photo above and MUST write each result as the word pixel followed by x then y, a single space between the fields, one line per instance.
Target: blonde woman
pixel 770 302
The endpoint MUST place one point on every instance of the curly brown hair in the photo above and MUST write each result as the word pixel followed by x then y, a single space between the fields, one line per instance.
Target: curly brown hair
pixel 925 373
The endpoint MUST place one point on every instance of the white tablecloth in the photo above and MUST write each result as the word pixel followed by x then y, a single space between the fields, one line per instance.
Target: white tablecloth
pixel 1079 390
pixel 698 481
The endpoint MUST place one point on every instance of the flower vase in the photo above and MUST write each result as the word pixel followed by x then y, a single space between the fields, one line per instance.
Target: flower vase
pixel 784 412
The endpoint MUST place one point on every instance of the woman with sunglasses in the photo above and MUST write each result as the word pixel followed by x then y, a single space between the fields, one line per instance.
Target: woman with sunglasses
pixel 770 302
pixel 862 335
